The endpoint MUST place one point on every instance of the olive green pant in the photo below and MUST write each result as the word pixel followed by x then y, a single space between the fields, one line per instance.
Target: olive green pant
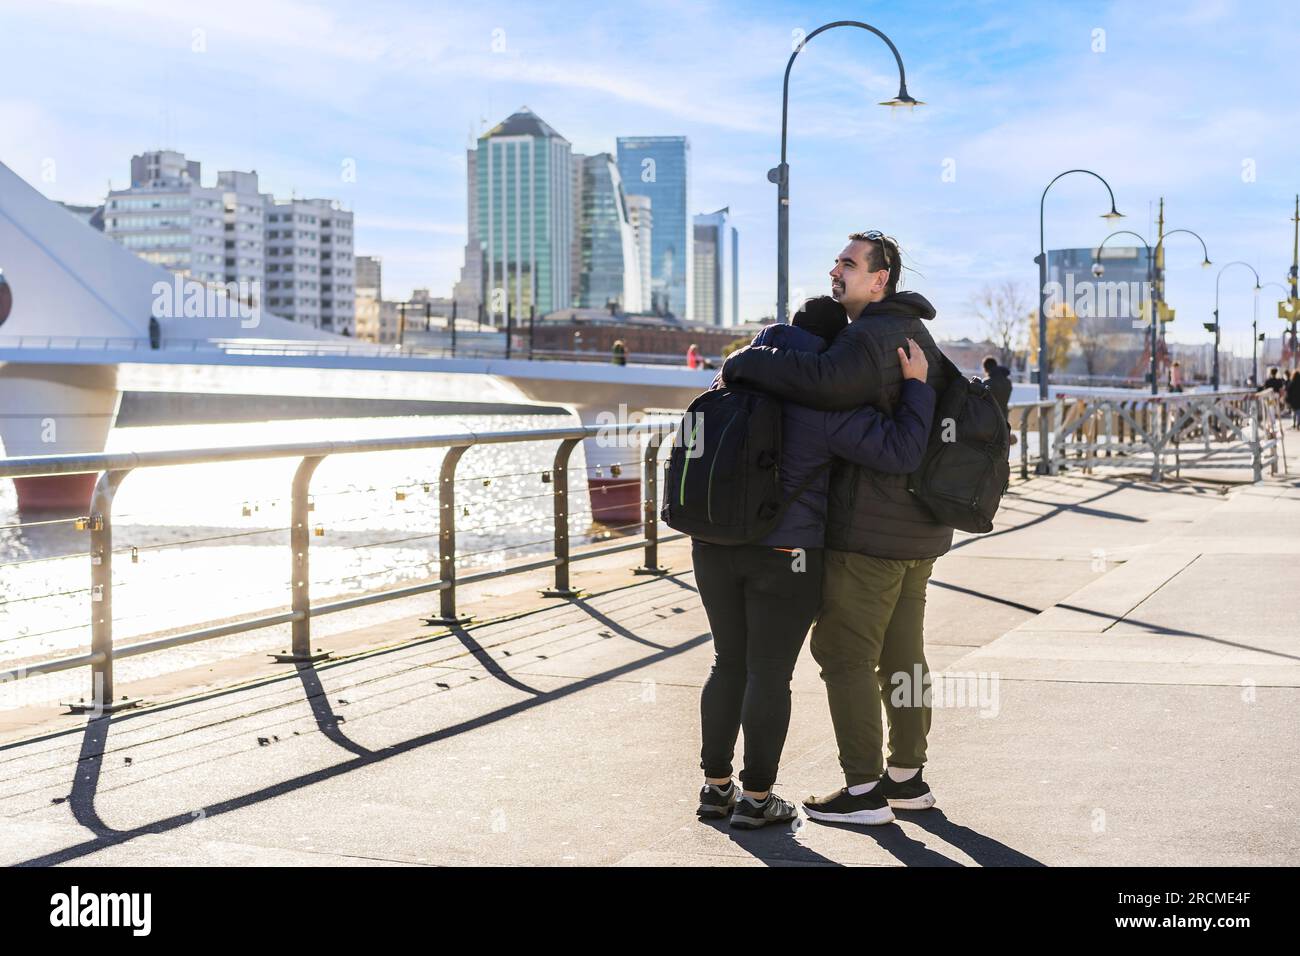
pixel 868 641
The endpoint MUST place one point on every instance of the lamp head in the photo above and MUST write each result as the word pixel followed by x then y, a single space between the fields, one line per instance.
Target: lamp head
pixel 903 99
pixel 1098 269
pixel 1206 264
pixel 1113 215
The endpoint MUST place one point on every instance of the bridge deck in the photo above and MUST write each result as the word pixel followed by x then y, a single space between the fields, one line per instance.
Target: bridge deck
pixel 1123 619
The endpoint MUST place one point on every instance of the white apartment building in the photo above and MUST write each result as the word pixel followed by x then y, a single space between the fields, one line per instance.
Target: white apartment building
pixel 310 263
pixel 168 217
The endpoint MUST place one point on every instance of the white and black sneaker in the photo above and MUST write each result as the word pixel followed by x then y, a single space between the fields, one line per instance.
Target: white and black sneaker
pixel 913 794
pixel 750 814
pixel 716 801
pixel 870 808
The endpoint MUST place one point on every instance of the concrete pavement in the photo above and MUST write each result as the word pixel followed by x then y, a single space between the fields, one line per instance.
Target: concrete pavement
pixel 1129 652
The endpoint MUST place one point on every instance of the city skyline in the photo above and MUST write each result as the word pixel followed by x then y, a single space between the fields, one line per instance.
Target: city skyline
pixel 296 93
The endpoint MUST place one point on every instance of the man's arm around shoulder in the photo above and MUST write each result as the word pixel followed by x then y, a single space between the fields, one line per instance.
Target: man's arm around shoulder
pixel 844 376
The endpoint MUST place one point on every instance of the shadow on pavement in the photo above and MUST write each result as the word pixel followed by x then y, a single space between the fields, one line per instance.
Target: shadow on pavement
pixel 87 779
pixel 984 850
pixel 774 845
pixel 326 720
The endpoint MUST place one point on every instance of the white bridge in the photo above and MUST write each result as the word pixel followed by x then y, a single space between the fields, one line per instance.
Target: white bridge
pixel 79 311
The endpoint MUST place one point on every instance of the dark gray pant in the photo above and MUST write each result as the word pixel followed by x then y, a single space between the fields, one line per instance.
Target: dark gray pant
pixel 760 603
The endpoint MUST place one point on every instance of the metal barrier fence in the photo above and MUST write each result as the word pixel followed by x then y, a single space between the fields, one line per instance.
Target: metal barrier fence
pixel 474 348
pixel 1237 428
pixel 113 469
pixel 1224 430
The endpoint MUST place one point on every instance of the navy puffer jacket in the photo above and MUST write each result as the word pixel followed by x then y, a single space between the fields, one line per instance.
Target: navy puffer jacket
pixel 864 436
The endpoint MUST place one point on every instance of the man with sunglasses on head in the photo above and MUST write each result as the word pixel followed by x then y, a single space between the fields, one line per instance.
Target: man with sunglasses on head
pixel 881 542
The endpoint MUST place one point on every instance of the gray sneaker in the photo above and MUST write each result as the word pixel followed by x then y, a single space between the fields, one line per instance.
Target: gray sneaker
pixel 717 801
pixel 751 814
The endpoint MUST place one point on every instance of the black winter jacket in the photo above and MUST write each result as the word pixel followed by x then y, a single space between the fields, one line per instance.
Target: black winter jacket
pixel 869 512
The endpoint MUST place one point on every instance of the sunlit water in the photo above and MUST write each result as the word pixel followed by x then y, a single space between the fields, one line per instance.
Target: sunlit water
pixel 211 541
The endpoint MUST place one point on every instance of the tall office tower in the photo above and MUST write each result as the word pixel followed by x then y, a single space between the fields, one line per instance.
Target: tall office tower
pixel 468 292
pixel 575 250
pixel 169 218
pixel 640 214
pixel 525 216
pixel 717 286
pixel 369 286
pixel 611 270
pixel 310 263
pixel 658 167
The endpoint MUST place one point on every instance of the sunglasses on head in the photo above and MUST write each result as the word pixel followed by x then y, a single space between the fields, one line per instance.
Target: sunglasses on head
pixel 876 235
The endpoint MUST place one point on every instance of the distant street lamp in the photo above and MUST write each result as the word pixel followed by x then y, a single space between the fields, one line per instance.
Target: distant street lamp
pixel 1285 307
pixel 1152 299
pixel 1215 326
pixel 1043 451
pixel 781 174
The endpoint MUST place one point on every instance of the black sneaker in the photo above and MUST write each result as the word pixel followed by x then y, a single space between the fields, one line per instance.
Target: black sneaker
pixel 750 814
pixel 717 801
pixel 911 794
pixel 870 808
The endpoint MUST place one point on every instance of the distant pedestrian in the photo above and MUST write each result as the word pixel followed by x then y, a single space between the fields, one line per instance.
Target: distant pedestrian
pixel 1293 397
pixel 998 379
pixel 620 352
pixel 1275 381
pixel 1176 377
pixel 693 357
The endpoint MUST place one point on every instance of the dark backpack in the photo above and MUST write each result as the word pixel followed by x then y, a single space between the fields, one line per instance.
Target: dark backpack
pixel 962 481
pixel 722 481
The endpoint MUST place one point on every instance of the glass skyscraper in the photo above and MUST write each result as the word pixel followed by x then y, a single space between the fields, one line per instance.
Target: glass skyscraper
pixel 717 285
pixel 524 180
pixel 658 167
pixel 610 271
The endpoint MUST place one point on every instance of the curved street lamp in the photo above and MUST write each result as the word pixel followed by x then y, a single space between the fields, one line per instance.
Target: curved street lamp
pixel 1098 270
pixel 781 174
pixel 1237 262
pixel 1044 459
pixel 1285 305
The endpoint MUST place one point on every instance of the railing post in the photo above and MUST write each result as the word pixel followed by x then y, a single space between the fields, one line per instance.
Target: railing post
pixel 1044 466
pixel 650 504
pixel 1056 446
pixel 100 525
pixel 1024 444
pixel 447 540
pixel 299 546
pixel 1156 429
pixel 560 480
pixel 1256 452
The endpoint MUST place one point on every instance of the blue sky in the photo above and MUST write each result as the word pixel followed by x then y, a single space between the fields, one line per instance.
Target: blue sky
pixel 1183 94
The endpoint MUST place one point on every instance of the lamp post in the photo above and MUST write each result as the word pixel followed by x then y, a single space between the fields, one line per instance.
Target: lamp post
pixel 1283 307
pixel 780 175
pixel 1043 457
pixel 1215 327
pixel 1153 298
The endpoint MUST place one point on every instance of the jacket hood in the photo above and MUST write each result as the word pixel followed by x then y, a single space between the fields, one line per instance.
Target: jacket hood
pixel 789 337
pixel 901 303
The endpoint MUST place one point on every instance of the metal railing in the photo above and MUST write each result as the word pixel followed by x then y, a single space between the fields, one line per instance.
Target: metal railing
pixel 113 469
pixel 480 346
pixel 1022 416
pixel 1231 429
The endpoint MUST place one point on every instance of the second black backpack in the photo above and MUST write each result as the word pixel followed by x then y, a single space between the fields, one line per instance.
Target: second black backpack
pixel 965 471
pixel 722 483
